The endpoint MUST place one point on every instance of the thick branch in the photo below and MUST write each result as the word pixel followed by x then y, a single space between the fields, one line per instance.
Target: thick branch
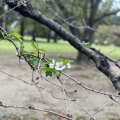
pixel 67 14
pixel 63 8
pixel 85 10
pixel 93 11
pixel 106 15
pixel 101 63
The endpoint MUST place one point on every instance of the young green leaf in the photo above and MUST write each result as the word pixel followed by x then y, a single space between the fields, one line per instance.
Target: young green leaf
pixel 42 50
pixel 86 44
pixel 48 73
pixel 46 65
pixel 65 62
pixel 36 52
pixel 34 46
pixel 36 62
pixel 48 69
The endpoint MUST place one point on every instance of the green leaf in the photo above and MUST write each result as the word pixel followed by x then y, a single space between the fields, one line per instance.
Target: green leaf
pixel 34 46
pixel 36 52
pixel 16 36
pixel 21 47
pixel 25 52
pixel 65 62
pixel 86 44
pixel 48 69
pixel 46 65
pixel 48 59
pixel 42 50
pixel 48 73
pixel 36 62
pixel 14 31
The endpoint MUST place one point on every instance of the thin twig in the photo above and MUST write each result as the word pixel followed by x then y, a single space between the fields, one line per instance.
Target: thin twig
pixel 37 86
pixel 35 109
pixel 13 8
pixel 101 108
pixel 65 96
pixel 87 88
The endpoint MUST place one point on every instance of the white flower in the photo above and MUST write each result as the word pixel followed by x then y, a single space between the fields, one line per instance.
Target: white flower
pixel 60 66
pixel 68 65
pixel 51 65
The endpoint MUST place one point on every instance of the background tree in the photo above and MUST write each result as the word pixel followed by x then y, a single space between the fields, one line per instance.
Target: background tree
pixel 87 13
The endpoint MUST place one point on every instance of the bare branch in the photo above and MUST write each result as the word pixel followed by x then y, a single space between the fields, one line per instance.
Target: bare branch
pixel 93 10
pixel 101 108
pixel 35 109
pixel 106 15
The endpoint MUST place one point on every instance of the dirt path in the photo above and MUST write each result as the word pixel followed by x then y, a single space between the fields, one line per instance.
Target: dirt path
pixel 15 92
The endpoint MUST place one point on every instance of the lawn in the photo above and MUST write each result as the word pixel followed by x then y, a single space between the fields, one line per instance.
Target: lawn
pixel 61 47
pixel 111 51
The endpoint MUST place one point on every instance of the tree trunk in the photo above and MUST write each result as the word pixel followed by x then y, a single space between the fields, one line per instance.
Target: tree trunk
pixel 22 27
pixel 86 37
pixel 80 56
pixel 49 36
pixel 33 35
pixel 55 38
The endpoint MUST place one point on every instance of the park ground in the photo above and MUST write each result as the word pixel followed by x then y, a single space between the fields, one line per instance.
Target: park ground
pixel 16 92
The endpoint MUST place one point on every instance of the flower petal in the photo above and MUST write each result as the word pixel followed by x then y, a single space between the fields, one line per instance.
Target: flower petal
pixel 53 61
pixel 68 65
pixel 61 63
pixel 58 64
pixel 51 65
pixel 63 67
pixel 58 68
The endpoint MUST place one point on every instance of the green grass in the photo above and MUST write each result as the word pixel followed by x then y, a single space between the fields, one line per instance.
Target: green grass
pixel 29 38
pixel 61 47
pixel 7 47
pixel 18 117
pixel 111 51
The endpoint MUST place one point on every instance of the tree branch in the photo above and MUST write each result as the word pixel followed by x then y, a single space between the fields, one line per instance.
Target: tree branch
pixel 93 10
pixel 85 10
pixel 35 109
pixel 67 14
pixel 28 10
pixel 106 15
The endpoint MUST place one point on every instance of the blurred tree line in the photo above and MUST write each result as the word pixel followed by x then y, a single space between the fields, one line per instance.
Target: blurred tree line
pixel 85 14
pixel 25 26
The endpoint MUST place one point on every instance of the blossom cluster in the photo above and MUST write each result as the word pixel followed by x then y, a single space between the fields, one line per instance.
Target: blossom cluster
pixel 59 65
